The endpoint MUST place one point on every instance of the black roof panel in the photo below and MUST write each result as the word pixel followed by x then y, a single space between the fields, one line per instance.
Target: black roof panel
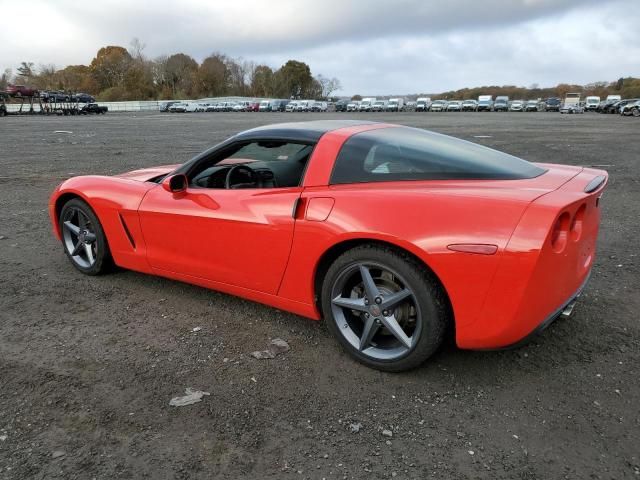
pixel 302 131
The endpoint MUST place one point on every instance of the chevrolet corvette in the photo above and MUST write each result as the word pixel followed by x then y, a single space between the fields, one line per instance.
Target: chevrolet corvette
pixel 395 236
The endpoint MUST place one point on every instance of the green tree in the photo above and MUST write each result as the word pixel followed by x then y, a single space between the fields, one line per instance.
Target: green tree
pixel 293 79
pixel 212 76
pixel 262 81
pixel 181 71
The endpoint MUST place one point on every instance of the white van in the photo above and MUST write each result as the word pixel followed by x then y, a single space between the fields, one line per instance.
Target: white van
pixel 366 104
pixel 395 105
pixel 265 106
pixel 423 104
pixel 379 106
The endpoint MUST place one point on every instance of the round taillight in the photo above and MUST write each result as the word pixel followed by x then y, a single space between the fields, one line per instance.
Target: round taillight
pixel 577 223
pixel 560 233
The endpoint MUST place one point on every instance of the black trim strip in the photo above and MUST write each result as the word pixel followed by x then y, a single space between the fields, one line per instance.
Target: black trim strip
pixel 127 232
pixel 594 184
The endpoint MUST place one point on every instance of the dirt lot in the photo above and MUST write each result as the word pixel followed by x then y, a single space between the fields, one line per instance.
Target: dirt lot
pixel 88 365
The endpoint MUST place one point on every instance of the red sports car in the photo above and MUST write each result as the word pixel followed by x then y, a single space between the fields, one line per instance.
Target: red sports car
pixel 393 235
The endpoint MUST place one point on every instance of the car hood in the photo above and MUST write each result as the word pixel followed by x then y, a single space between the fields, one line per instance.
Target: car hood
pixel 146 174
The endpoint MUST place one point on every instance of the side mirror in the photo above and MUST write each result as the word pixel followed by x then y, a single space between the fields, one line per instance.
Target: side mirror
pixel 175 183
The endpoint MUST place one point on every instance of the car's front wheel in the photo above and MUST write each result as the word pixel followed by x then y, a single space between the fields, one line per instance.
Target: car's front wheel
pixel 83 238
pixel 386 310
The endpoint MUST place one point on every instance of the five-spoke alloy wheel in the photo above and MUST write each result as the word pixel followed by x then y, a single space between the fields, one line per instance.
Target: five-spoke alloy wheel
pixel 384 307
pixel 83 238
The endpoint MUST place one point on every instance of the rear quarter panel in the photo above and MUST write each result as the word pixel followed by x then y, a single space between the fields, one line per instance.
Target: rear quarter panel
pixel 422 218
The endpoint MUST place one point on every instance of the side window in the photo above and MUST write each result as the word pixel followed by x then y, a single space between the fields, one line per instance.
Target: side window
pixel 400 153
pixel 258 164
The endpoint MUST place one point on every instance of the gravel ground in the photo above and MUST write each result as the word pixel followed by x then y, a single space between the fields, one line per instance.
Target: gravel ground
pixel 88 364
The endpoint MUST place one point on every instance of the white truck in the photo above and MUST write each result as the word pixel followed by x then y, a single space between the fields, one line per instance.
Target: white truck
pixel 366 104
pixel 571 99
pixel 423 104
pixel 485 103
pixel 395 105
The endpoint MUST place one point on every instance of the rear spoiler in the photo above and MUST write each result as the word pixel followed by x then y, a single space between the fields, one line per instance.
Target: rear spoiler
pixel 594 184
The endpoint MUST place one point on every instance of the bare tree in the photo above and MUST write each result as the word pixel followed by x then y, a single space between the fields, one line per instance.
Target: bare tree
pixel 328 85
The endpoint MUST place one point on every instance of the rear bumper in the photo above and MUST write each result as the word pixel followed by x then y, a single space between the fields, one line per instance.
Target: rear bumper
pixel 565 310
pixel 541 272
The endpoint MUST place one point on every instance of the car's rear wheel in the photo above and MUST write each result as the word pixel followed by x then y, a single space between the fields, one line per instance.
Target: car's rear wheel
pixel 386 310
pixel 83 238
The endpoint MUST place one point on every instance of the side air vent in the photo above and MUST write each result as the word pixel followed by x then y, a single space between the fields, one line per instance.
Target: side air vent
pixel 127 232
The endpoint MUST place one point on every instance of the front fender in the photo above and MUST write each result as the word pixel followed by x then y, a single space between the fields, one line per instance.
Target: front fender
pixel 115 202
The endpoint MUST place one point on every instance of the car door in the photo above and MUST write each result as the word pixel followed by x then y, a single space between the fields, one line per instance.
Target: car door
pixel 240 237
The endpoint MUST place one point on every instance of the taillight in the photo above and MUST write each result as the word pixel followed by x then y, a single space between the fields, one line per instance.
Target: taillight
pixel 577 223
pixel 560 233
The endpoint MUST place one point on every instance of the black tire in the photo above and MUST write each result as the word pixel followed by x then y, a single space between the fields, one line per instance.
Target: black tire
pixel 101 252
pixel 427 292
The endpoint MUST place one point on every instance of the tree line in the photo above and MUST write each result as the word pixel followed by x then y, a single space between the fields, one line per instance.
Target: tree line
pixel 625 87
pixel 118 73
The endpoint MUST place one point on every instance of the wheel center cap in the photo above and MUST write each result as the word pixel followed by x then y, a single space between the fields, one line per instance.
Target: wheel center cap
pixel 375 310
pixel 82 236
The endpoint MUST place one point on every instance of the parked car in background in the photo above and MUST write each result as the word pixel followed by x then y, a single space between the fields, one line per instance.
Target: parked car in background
pixel 395 105
pixel 517 106
pixel 319 107
pixel 82 98
pixel 439 106
pixel 532 106
pixel 591 103
pixel 410 106
pixel 93 108
pixel 278 105
pixel 353 106
pixel 192 107
pixel 618 106
pixel 3 105
pixel 571 108
pixel 501 104
pixel 454 106
pixel 631 108
pixel 252 107
pixel 485 103
pixel 379 106
pixel 164 106
pixel 469 106
pixel 552 104
pixel 341 105
pixel 20 91
pixel 178 107
pixel 265 106
pixel 423 104
pixel 304 106
pixel 291 106
pixel 366 104
pixel 55 96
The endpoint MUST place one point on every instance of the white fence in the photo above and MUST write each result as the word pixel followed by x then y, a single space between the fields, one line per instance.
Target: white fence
pixel 135 106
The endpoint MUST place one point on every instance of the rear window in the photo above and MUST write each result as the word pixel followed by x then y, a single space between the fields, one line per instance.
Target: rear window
pixel 401 153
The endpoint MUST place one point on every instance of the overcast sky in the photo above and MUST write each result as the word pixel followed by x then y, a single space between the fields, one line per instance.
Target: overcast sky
pixel 372 46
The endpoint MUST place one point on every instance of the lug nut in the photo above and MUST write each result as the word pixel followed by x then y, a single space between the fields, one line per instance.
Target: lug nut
pixel 366 315
pixel 378 300
pixel 385 313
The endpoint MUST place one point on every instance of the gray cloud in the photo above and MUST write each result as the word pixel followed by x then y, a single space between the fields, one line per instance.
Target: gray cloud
pixel 374 46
